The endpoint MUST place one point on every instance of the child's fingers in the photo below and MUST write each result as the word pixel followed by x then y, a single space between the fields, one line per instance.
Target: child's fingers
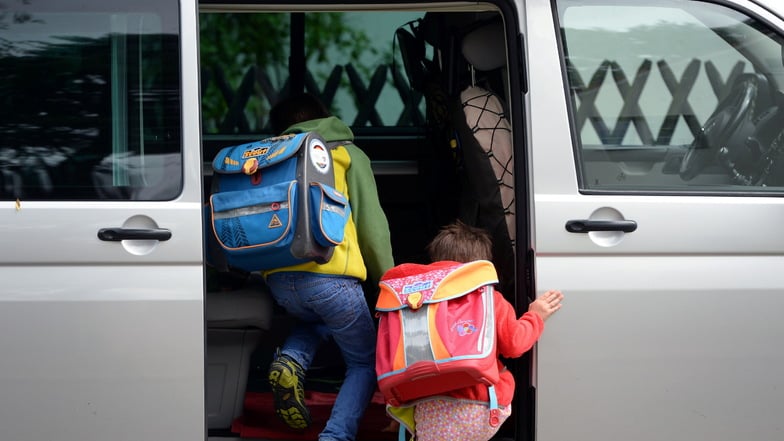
pixel 553 293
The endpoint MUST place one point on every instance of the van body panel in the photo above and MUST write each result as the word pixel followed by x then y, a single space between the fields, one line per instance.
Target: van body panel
pixel 109 354
pixel 665 362
pixel 666 225
pixel 57 222
pixel 669 331
pixel 549 132
pixel 762 6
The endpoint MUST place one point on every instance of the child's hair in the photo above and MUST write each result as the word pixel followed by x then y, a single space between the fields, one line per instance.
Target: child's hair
pixel 460 242
pixel 294 110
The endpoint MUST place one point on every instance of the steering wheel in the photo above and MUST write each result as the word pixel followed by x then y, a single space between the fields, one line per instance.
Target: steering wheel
pixel 721 129
pixel 760 162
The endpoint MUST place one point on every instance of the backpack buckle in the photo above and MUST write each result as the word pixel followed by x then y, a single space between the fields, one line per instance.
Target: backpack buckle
pixel 495 420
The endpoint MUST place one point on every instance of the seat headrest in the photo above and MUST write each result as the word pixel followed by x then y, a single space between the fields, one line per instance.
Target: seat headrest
pixel 485 48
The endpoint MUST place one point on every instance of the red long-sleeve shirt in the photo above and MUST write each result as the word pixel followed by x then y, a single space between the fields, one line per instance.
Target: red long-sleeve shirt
pixel 514 337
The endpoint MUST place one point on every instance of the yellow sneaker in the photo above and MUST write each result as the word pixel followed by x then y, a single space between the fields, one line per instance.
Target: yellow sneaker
pixel 287 379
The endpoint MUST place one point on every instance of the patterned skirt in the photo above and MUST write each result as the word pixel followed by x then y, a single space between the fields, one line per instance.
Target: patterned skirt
pixel 454 420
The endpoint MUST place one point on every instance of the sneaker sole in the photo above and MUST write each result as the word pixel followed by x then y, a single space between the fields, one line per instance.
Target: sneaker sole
pixel 288 409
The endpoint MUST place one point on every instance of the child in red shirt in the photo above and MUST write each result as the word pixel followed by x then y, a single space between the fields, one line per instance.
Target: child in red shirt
pixel 462 414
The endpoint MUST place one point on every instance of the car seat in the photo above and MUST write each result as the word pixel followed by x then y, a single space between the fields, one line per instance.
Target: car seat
pixel 484 136
pixel 236 319
pixel 471 166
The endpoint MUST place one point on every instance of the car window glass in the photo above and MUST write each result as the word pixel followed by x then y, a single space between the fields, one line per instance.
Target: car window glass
pixel 347 62
pixel 674 97
pixel 374 91
pixel 91 104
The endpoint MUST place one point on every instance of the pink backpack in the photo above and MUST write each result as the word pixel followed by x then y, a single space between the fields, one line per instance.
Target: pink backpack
pixel 436 330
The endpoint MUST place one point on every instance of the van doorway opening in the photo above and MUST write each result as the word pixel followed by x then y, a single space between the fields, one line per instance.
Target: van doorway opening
pixel 429 94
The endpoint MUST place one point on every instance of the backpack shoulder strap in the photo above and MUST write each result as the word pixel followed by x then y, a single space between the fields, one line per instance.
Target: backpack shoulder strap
pixel 335 144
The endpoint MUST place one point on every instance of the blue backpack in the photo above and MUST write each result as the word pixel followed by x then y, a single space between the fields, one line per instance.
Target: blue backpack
pixel 274 204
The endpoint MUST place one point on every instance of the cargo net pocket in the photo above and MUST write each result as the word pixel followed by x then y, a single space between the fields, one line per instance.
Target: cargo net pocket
pixel 487 120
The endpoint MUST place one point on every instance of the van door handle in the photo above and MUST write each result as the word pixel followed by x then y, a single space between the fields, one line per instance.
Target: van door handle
pixel 588 225
pixel 118 234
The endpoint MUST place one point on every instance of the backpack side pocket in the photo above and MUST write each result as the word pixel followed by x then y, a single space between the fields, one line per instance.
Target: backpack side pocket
pixel 331 211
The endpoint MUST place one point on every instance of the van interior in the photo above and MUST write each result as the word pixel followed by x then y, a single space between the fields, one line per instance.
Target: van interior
pixel 432 113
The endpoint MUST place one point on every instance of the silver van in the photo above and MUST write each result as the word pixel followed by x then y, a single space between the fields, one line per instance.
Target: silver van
pixel 627 152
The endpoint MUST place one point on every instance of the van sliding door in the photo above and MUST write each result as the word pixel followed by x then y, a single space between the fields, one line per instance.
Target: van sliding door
pixel 101 308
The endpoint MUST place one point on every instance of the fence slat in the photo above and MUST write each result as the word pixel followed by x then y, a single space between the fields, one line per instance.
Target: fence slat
pixel 267 89
pixel 332 84
pixel 587 109
pixel 367 97
pixel 679 105
pixel 630 111
pixel 411 99
pixel 235 117
pixel 720 87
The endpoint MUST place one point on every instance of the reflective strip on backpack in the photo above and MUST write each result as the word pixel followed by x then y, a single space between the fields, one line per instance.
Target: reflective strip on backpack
pixel 488 339
pixel 416 336
pixel 248 211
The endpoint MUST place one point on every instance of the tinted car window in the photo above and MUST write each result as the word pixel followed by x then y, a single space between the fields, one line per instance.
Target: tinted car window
pixel 674 98
pixel 90 96
pixel 345 58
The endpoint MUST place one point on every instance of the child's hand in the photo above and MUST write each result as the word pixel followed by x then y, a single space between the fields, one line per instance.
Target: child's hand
pixel 546 304
pixel 393 426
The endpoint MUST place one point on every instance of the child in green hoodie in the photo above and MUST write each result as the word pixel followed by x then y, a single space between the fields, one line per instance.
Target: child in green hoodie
pixel 328 298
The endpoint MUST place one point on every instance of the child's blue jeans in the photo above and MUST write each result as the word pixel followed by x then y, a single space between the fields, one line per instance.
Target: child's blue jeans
pixel 330 306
